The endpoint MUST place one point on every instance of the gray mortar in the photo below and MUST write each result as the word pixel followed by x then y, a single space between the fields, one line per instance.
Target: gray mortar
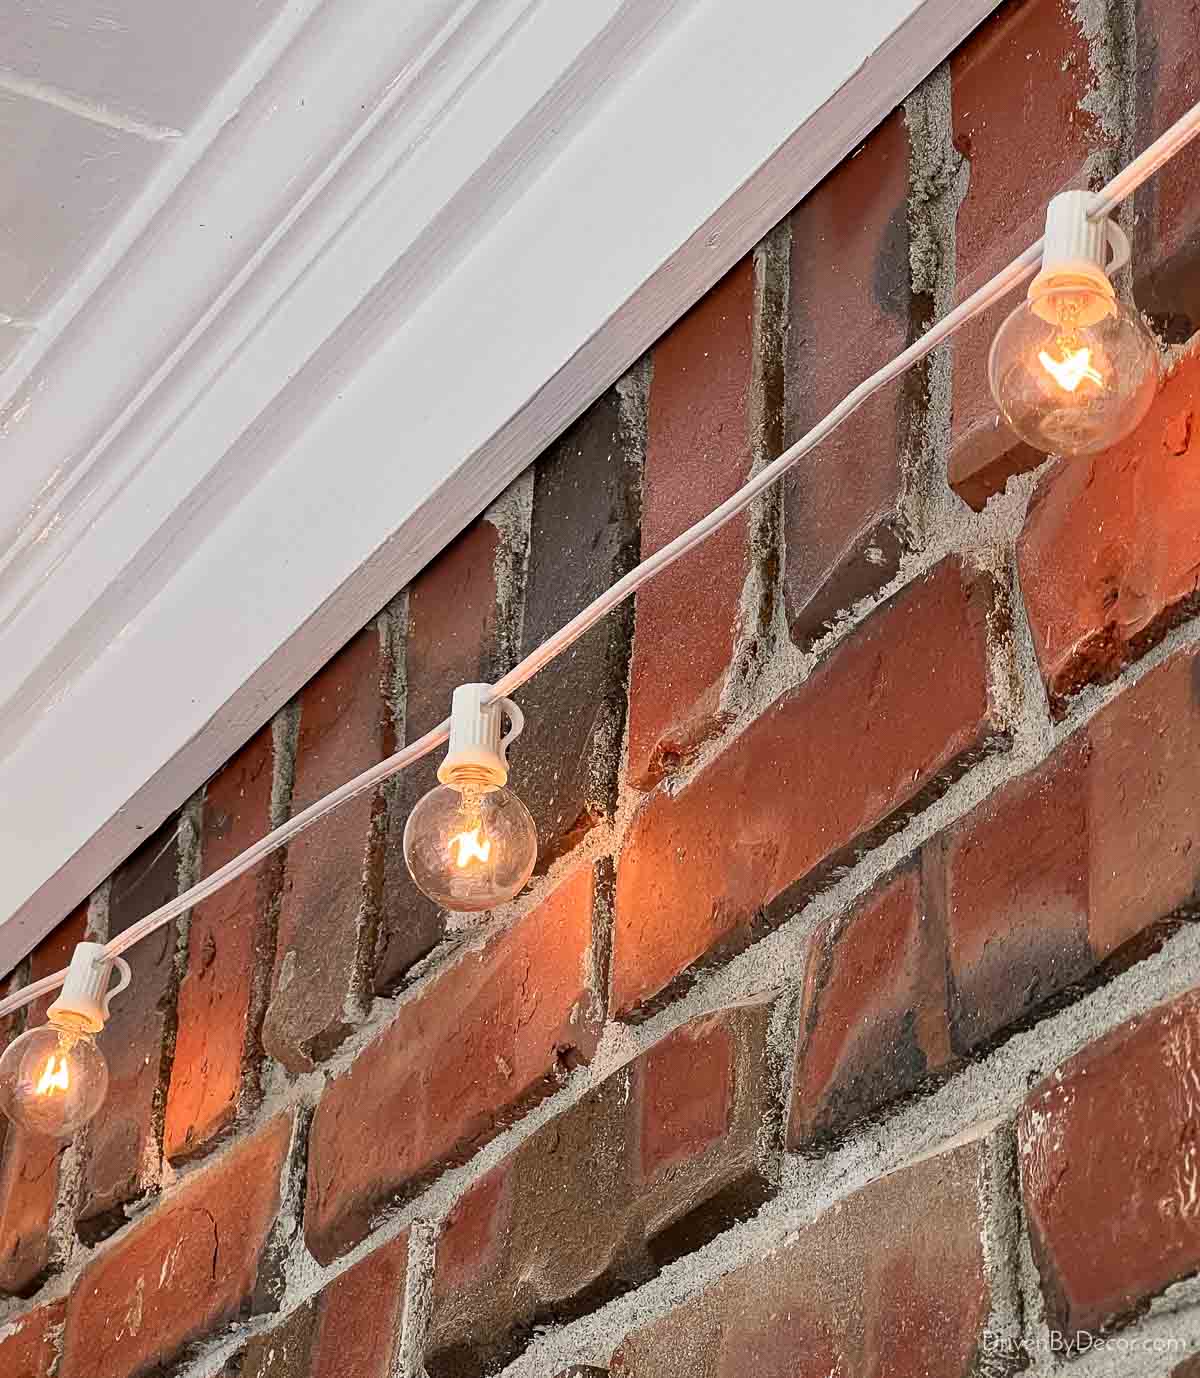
pixel 511 514
pixel 939 177
pixel 418 1301
pixel 285 738
pixel 761 625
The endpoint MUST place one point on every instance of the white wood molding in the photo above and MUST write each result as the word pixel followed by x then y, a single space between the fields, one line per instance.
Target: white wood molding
pixel 429 237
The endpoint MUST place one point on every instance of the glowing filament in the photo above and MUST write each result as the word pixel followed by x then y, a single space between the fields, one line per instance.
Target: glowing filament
pixel 55 1076
pixel 1069 372
pixel 471 847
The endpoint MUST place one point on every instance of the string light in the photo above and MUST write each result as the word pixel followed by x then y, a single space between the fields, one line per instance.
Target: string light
pixel 470 844
pixel 54 1078
pixel 60 1066
pixel 1073 369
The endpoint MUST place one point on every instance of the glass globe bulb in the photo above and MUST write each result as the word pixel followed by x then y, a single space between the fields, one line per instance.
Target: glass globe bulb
pixel 1073 371
pixel 470 848
pixel 53 1079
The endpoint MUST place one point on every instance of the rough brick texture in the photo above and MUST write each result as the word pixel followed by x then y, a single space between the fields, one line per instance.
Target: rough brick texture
pixel 1110 555
pixel 892 1280
pixel 586 501
pixel 698 452
pixel 1111 1139
pixel 30 1349
pixel 851 304
pixel 1027 68
pixel 186 1268
pixel 657 1159
pixel 453 636
pixel 494 1030
pixel 230 947
pixel 330 903
pixel 1166 226
pixel 873 1022
pixel 353 1327
pixel 827 765
pixel 122 1143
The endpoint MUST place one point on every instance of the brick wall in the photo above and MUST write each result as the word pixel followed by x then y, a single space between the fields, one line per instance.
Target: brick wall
pixel 851 1022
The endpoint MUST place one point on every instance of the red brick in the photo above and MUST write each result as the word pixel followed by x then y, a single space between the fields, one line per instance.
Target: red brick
pixel 1190 1368
pixel 1027 68
pixel 584 537
pixel 31 1349
pixel 29 1169
pixel 470 1048
pixel 1110 1162
pixel 333 872
pixel 1166 236
pixel 698 452
pixel 891 1280
pixel 687 1085
pixel 1013 883
pixel 832 764
pixel 653 1163
pixel 1143 811
pixel 873 1021
pixel 453 637
pixel 230 950
pixel 181 1271
pixel 121 1146
pixel 1079 861
pixel 850 309
pixel 359 1317
pixel 1110 555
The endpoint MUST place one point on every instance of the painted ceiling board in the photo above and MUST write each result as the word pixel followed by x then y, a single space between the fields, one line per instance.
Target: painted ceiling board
pixel 345 330
pixel 151 60
pixel 64 182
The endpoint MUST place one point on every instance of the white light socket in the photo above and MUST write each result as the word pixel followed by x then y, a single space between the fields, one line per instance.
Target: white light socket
pixel 478 751
pixel 1075 255
pixel 86 993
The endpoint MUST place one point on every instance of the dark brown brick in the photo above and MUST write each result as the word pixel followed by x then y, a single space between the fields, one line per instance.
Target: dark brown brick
pixel 230 951
pixel 698 452
pixel 480 1040
pixel 1027 68
pixel 655 1161
pixel 332 876
pixel 122 1144
pixel 586 501
pixel 850 310
pixel 29 1170
pixel 1166 234
pixel 831 764
pixel 453 637
pixel 891 1280
pixel 30 1350
pixel 1110 555
pixel 873 1021
pixel 1110 1168
pixel 181 1271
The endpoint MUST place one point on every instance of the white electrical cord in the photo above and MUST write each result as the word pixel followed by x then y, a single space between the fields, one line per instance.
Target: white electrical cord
pixel 1144 166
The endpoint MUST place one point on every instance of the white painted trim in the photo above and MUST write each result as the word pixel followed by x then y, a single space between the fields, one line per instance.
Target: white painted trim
pixel 364 308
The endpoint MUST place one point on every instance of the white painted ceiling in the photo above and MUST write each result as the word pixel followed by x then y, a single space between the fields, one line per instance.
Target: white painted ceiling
pixel 93 93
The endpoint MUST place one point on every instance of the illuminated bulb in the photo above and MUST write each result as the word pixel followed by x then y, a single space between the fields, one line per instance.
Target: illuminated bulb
pixel 470 844
pixel 1072 369
pixel 54 1078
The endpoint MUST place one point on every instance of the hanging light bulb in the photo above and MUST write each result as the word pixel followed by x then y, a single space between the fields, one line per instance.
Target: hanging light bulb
pixel 54 1078
pixel 1072 369
pixel 471 844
